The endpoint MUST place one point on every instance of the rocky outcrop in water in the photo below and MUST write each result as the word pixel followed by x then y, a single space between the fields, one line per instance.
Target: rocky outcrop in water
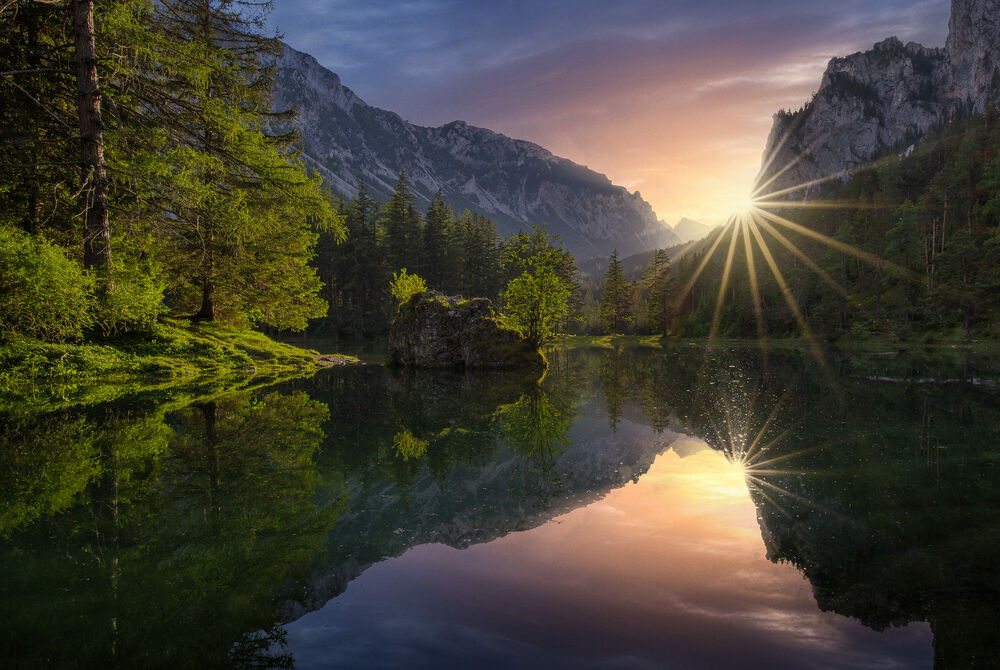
pixel 884 100
pixel 436 331
pixel 515 183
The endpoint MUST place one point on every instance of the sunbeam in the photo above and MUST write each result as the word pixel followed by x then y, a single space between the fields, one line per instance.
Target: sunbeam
pixel 701 267
pixel 838 245
pixel 760 187
pixel 798 253
pixel 725 282
pixel 814 204
pixel 789 297
pixel 758 308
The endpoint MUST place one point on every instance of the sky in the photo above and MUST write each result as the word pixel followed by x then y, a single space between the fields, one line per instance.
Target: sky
pixel 673 99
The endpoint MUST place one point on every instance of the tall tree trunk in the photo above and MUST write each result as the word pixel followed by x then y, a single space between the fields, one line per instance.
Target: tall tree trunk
pixel 97 232
pixel 207 311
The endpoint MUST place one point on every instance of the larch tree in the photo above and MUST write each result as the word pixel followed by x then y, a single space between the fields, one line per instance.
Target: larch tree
pixel 241 234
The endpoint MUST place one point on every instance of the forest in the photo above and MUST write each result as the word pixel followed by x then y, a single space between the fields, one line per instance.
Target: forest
pixel 144 174
pixel 914 253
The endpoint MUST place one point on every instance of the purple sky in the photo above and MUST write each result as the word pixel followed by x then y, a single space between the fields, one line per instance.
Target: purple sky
pixel 671 98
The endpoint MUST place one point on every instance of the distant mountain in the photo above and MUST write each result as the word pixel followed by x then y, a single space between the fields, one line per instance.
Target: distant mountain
pixel 883 100
pixel 593 269
pixel 689 231
pixel 514 182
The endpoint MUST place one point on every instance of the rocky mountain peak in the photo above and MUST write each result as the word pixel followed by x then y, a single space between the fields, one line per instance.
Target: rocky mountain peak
pixel 885 99
pixel 514 182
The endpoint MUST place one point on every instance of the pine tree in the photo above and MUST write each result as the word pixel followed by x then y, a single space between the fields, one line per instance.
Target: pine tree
pixel 402 226
pixel 481 271
pixel 657 283
pixel 437 270
pixel 616 299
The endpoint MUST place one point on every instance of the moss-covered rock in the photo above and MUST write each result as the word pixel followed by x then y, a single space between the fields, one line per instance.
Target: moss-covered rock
pixel 436 331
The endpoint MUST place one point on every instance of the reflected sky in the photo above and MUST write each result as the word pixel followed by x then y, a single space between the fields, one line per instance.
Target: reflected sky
pixel 669 571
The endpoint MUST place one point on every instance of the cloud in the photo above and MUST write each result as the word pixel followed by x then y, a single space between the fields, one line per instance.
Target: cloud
pixel 673 97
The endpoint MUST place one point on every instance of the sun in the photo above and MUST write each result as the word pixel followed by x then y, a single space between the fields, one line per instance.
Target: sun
pixel 741 206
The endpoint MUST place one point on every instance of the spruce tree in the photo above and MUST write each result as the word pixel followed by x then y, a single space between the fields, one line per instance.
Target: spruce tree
pixel 436 270
pixel 616 299
pixel 401 224
pixel 241 235
pixel 657 283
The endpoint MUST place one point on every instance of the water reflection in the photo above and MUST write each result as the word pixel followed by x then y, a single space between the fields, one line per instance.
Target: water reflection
pixel 298 523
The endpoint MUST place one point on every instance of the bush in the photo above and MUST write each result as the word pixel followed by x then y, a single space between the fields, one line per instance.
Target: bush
pixel 405 286
pixel 134 302
pixel 43 294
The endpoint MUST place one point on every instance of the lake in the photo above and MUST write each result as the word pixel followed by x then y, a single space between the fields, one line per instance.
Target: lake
pixel 639 507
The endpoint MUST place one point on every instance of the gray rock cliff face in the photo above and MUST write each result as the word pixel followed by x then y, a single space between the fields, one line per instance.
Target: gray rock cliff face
pixel 436 331
pixel 883 100
pixel 514 182
pixel 974 51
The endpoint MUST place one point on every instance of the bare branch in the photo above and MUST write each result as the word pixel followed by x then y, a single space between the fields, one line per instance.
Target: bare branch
pixel 37 102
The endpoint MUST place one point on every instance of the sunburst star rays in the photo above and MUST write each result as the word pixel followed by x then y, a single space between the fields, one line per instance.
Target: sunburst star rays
pixel 763 221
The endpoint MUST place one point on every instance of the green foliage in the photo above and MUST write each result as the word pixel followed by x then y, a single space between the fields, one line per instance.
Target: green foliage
pixel 536 303
pixel 616 298
pixel 657 288
pixel 202 175
pixel 527 252
pixel 930 220
pixel 134 302
pixel 408 446
pixel 43 294
pixel 534 426
pixel 177 351
pixel 404 286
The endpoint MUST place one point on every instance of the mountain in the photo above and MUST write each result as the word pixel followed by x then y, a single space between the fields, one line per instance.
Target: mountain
pixel 689 231
pixel 884 100
pixel 514 182
pixel 593 269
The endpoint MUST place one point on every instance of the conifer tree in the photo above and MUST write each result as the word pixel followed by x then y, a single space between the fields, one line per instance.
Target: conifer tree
pixel 402 226
pixel 240 236
pixel 616 299
pixel 657 283
pixel 437 260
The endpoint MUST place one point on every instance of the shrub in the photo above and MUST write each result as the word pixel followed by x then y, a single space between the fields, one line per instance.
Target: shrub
pixel 134 302
pixel 43 294
pixel 404 286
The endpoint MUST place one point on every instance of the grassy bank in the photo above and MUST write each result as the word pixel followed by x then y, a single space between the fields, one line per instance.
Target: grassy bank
pixel 179 353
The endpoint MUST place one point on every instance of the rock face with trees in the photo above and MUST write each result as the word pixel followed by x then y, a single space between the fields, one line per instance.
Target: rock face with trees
pixel 886 99
pixel 436 331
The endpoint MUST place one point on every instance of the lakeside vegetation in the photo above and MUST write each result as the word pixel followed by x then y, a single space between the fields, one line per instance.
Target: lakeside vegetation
pixel 154 211
pixel 914 256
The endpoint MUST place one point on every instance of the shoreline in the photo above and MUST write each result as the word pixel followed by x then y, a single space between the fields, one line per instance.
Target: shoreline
pixel 179 355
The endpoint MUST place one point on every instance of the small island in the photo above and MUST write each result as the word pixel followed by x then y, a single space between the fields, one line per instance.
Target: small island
pixel 432 330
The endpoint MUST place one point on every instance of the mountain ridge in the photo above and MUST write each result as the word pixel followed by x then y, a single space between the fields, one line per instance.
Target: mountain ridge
pixel 884 100
pixel 515 182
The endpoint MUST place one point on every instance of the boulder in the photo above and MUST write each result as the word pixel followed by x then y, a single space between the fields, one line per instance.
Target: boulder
pixel 432 330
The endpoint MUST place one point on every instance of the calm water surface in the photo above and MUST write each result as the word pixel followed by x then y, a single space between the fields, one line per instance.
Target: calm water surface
pixel 637 508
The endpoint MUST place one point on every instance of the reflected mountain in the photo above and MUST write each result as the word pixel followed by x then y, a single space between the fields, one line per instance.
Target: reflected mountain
pixel 882 487
pixel 138 534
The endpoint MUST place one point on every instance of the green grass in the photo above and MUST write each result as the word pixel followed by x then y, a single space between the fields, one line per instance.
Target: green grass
pixel 180 353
